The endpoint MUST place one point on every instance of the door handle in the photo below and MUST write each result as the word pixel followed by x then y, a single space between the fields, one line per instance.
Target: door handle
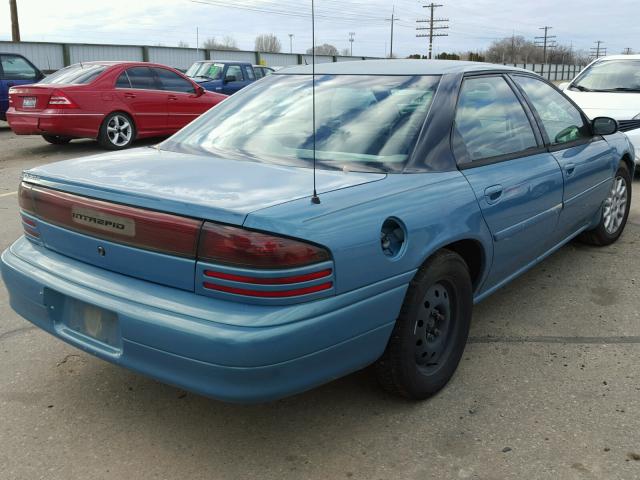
pixel 570 168
pixel 173 97
pixel 493 194
pixel 129 95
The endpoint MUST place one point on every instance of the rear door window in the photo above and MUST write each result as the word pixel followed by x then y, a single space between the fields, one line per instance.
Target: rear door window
pixel 258 72
pixel 142 78
pixel 490 121
pixel 173 82
pixel 248 72
pixel 123 81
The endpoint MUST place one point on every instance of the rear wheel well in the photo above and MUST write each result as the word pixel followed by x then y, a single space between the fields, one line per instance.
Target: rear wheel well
pixel 473 255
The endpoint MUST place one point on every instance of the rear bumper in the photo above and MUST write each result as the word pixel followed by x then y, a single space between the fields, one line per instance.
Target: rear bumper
pixel 54 122
pixel 232 352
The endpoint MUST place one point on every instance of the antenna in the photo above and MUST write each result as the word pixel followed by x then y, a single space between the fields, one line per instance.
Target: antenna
pixel 315 199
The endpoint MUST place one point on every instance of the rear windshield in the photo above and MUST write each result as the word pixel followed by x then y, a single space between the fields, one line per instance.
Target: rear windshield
pixel 75 75
pixel 211 71
pixel 363 123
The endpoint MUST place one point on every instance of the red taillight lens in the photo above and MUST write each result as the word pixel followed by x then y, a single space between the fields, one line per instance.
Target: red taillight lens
pixel 146 229
pixel 244 248
pixel 59 100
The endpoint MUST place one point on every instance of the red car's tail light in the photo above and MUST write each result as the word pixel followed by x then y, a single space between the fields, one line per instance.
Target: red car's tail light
pixel 59 100
pixel 146 229
pixel 244 248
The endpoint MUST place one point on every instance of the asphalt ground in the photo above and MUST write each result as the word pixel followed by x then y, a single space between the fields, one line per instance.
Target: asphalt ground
pixel 548 388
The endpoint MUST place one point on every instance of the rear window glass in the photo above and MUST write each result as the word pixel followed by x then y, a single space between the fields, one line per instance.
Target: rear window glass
pixel 364 123
pixel 75 75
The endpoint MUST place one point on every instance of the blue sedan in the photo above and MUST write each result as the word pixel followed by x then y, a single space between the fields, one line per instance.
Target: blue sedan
pixel 207 262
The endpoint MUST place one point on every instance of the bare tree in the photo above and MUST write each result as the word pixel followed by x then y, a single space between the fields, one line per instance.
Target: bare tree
pixel 227 43
pixel 325 49
pixel 182 44
pixel 268 43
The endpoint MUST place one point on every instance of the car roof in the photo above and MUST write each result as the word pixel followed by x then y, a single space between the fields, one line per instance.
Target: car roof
pixel 397 67
pixel 114 63
pixel 619 57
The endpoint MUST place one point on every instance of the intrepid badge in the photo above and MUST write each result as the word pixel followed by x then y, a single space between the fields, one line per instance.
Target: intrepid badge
pixel 104 221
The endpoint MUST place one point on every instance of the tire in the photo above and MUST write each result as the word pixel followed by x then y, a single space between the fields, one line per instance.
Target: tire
pixel 56 139
pixel 435 317
pixel 615 211
pixel 117 131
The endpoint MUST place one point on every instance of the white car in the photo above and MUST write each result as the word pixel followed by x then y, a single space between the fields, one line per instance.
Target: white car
pixel 610 87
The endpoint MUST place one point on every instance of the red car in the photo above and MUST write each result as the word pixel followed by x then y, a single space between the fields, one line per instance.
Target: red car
pixel 113 102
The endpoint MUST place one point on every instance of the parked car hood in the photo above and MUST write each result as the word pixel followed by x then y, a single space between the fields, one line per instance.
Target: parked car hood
pixel 618 105
pixel 201 186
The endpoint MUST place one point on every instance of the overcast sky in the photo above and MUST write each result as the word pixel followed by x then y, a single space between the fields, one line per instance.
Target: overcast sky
pixel 473 25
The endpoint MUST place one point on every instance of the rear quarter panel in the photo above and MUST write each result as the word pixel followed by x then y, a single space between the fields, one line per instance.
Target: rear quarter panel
pixel 435 208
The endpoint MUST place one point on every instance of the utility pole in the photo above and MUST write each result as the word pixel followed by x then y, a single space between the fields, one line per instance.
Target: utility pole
pixel 393 20
pixel 15 26
pixel 291 42
pixel 352 38
pixel 545 42
pixel 513 48
pixel 627 51
pixel 433 26
pixel 598 51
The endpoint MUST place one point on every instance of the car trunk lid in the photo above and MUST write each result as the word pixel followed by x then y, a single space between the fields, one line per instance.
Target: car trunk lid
pixel 32 98
pixel 140 213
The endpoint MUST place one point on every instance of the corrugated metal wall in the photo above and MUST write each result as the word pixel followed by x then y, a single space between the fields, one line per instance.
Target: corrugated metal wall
pixel 181 58
pixel 45 56
pixel 319 58
pixel 238 56
pixel 279 59
pixel 88 53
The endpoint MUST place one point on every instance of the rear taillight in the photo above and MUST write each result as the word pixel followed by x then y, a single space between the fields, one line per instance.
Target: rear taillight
pixel 59 100
pixel 238 247
pixel 150 230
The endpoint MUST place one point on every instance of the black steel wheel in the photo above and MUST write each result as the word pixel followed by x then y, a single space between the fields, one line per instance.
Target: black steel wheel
pixel 431 332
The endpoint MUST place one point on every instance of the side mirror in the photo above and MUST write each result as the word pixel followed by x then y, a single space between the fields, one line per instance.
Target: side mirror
pixel 604 126
pixel 199 91
pixel 564 85
pixel 230 78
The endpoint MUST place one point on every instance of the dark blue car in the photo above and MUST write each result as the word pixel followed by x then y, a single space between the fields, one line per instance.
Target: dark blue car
pixel 222 77
pixel 208 263
pixel 15 70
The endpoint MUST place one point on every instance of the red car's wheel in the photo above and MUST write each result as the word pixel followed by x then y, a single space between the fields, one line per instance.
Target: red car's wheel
pixel 117 131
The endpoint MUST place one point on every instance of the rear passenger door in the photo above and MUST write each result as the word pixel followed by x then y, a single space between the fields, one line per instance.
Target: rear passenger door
pixel 138 88
pixel 588 163
pixel 234 80
pixel 183 105
pixel 518 184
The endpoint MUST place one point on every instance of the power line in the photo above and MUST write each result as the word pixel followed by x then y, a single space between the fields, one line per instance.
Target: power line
pixel 433 26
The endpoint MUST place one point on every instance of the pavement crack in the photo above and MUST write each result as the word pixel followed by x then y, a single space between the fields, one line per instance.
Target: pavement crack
pixel 552 339
pixel 66 359
pixel 13 333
